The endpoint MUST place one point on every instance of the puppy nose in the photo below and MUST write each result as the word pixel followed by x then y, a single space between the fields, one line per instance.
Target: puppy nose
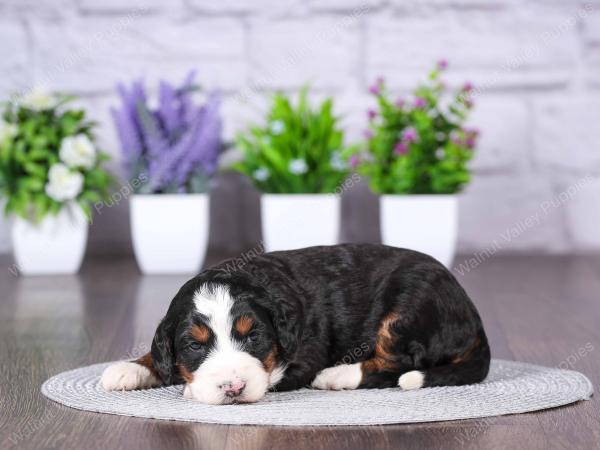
pixel 233 389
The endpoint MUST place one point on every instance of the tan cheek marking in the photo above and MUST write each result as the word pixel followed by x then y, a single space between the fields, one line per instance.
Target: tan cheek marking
pixel 185 374
pixel 271 360
pixel 243 325
pixel 200 333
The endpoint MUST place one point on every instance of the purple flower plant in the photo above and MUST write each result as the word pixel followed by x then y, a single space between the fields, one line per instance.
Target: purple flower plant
pixel 354 161
pixel 420 102
pixel 409 135
pixel 375 89
pixel 177 145
pixel 371 113
pixel 401 148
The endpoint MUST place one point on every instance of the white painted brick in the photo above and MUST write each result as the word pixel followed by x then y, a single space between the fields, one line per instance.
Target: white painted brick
pixel 262 7
pixel 492 49
pixel 345 5
pixel 591 27
pixel 591 35
pixel 125 6
pixel 48 9
pixel 92 55
pixel 239 112
pixel 290 53
pixel 408 4
pixel 583 214
pixel 15 58
pixel 492 206
pixel 505 141
pixel 567 135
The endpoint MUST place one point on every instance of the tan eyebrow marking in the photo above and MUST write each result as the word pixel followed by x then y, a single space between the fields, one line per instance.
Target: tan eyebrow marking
pixel 200 333
pixel 243 325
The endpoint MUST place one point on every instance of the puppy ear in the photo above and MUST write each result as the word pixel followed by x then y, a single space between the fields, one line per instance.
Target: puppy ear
pixel 286 317
pixel 163 353
pixel 287 326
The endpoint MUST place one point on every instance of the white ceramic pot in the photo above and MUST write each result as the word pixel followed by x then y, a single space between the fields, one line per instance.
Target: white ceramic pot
pixel 170 232
pixel 55 246
pixel 291 221
pixel 426 223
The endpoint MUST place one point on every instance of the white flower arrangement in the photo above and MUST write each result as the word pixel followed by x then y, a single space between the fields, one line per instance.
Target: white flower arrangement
pixel 63 183
pixel 48 159
pixel 78 151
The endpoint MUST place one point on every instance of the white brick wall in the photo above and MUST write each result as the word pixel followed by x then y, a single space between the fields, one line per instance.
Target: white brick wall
pixel 536 63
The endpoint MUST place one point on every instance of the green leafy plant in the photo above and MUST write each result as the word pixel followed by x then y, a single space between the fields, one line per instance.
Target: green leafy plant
pixel 48 158
pixel 421 146
pixel 299 150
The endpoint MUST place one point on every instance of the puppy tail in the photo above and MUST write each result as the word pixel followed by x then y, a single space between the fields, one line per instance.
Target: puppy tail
pixel 470 367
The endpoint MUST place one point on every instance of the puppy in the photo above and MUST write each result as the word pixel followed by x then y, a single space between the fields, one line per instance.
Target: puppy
pixel 348 316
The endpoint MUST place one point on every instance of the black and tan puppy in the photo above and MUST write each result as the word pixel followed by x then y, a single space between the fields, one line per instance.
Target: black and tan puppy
pixel 341 317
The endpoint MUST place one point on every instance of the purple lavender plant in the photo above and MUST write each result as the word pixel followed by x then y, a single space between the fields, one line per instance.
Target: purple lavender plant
pixel 175 146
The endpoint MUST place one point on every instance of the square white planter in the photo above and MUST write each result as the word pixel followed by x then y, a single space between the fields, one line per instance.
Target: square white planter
pixel 291 221
pixel 170 232
pixel 426 223
pixel 55 246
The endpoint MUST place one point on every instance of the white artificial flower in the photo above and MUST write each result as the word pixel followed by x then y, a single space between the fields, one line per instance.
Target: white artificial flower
pixel 261 174
pixel 38 99
pixel 298 166
pixel 337 162
pixel 277 127
pixel 63 184
pixel 7 131
pixel 78 151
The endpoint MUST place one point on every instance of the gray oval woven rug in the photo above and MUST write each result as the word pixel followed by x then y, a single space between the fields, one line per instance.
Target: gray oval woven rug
pixel 511 387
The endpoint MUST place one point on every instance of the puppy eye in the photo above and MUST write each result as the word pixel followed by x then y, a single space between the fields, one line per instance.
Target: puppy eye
pixel 252 337
pixel 195 346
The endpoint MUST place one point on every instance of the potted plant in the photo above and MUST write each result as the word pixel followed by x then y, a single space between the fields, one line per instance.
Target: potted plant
pixel 416 155
pixel 50 174
pixel 297 161
pixel 170 154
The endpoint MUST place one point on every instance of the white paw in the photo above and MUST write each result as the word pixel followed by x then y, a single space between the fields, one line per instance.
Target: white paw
pixel 126 376
pixel 411 380
pixel 344 376
pixel 187 392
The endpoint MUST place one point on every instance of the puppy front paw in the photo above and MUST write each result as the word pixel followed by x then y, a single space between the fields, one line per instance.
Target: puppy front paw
pixel 344 376
pixel 127 376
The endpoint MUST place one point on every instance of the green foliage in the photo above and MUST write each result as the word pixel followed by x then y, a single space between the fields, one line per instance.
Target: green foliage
pixel 30 142
pixel 299 150
pixel 418 148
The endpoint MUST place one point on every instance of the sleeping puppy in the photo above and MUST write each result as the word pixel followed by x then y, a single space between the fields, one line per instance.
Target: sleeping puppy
pixel 348 316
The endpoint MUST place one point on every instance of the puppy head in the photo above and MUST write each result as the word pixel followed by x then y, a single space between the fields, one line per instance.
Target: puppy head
pixel 225 349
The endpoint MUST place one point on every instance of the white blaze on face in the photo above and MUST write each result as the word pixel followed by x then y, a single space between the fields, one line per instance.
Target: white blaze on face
pixel 226 363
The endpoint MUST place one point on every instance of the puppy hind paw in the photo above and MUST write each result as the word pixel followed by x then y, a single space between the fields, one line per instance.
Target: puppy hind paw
pixel 411 380
pixel 127 376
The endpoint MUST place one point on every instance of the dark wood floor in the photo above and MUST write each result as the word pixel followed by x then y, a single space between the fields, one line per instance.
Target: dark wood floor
pixel 536 309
